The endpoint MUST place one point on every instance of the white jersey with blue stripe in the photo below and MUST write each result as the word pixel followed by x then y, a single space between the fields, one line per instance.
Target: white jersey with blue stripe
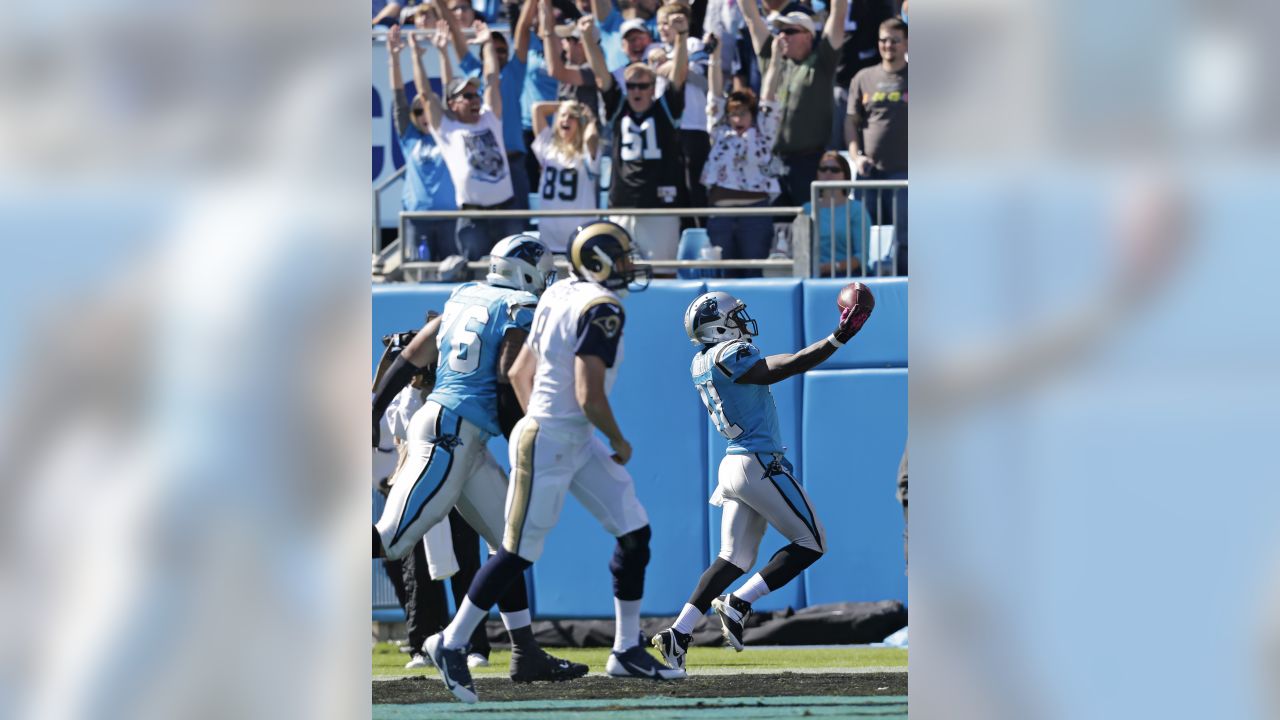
pixel 475 319
pixel 744 414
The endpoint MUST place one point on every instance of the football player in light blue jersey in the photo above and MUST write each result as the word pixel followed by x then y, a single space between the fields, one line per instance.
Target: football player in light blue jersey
pixel 757 486
pixel 473 345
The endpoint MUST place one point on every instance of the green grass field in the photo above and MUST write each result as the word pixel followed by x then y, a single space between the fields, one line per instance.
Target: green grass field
pixel 389 661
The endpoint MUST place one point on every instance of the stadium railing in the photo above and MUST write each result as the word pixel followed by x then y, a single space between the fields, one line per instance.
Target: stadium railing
pixel 879 241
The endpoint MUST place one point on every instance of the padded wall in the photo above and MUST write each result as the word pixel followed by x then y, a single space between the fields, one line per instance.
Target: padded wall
pixel 677 451
pixel 397 308
pixel 882 342
pixel 855 432
pixel 774 304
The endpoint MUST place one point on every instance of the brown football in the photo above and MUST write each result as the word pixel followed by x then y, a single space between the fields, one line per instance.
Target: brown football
pixel 852 293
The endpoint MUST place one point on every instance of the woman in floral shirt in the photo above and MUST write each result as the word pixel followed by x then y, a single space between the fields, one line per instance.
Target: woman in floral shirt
pixel 741 170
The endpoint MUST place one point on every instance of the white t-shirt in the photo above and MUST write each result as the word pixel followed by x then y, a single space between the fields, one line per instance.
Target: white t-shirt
pixel 476 157
pixel 695 89
pixel 566 183
pixel 558 332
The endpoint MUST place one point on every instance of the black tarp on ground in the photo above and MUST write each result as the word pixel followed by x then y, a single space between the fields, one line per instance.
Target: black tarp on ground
pixel 852 623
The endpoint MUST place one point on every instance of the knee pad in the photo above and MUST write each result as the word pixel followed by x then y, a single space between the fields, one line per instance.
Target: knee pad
pixel 630 556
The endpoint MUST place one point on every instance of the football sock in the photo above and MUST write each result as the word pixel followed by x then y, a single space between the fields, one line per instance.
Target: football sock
pixel 786 564
pixel 714 581
pixel 753 589
pixel 626 631
pixel 458 633
pixel 687 620
pixel 515 620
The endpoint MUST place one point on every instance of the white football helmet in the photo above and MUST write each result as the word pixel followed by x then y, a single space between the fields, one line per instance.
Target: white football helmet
pixel 521 262
pixel 716 317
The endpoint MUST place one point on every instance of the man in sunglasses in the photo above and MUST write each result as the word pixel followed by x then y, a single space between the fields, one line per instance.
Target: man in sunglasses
pixel 806 94
pixel 648 164
pixel 468 128
pixel 876 129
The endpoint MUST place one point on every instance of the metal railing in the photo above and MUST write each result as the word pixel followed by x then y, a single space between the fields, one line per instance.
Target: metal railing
pixel 870 221
pixel 377 206
pixel 797 266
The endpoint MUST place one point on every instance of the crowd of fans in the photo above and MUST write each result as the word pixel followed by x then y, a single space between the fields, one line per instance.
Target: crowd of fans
pixel 714 103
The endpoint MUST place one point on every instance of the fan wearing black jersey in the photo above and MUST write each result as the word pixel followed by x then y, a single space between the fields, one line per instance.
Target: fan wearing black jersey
pixel 648 166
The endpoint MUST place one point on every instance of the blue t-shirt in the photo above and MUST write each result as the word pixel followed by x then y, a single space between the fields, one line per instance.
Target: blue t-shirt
pixel 744 414
pixel 833 219
pixel 475 319
pixel 511 86
pixel 426 180
pixel 538 85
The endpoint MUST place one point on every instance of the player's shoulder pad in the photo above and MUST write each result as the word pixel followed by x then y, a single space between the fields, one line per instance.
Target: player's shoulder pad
pixel 463 288
pixel 732 352
pixel 605 313
pixel 520 298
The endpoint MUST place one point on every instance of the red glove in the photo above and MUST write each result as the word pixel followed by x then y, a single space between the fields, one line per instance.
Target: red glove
pixel 853 318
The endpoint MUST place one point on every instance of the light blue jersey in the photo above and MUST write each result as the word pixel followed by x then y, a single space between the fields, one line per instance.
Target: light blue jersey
pixel 744 414
pixel 475 319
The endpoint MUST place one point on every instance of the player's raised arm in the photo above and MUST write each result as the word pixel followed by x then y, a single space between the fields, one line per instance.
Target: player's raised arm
pixel 856 302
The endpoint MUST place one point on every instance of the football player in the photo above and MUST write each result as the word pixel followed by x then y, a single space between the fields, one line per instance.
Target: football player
pixel 563 376
pixel 757 484
pixel 473 344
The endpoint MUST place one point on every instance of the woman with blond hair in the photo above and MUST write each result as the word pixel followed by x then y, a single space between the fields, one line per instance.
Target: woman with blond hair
pixel 569 153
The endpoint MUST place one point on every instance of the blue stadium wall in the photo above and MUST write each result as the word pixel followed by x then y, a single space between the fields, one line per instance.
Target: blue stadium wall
pixel 844 424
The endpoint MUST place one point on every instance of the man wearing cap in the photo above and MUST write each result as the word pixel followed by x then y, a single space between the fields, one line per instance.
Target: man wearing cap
pixel 470 136
pixel 648 165
pixel 805 95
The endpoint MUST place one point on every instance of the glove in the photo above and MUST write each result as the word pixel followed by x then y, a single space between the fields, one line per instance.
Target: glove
pixel 853 318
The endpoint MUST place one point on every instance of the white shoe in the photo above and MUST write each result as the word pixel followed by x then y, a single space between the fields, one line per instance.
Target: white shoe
pixel 418 661
pixel 476 660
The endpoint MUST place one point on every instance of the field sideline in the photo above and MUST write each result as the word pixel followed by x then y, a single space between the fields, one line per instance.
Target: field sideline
pixel 762 683
pixel 388 661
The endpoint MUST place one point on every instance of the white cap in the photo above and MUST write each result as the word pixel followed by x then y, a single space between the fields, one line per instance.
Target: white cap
pixel 795 19
pixel 633 24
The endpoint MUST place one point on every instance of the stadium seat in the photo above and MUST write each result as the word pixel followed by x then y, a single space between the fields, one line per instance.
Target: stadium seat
pixel 692 243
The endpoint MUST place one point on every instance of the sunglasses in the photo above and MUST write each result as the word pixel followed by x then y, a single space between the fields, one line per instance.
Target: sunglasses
pixel 831 168
pixel 467 96
pixel 639 86
pixel 792 31
pixel 417 112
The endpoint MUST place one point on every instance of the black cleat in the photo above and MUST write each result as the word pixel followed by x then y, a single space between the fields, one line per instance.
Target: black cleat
pixel 539 665
pixel 452 665
pixel 673 646
pixel 733 618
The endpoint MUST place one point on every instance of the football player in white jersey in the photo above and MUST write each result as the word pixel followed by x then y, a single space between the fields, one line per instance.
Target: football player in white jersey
pixel 448 461
pixel 562 377
pixel 756 484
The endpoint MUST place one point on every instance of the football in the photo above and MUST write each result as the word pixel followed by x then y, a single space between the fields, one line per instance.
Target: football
pixel 855 293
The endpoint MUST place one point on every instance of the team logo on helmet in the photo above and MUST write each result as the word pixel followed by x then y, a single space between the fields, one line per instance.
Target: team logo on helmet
pixel 603 253
pixel 716 317
pixel 521 262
